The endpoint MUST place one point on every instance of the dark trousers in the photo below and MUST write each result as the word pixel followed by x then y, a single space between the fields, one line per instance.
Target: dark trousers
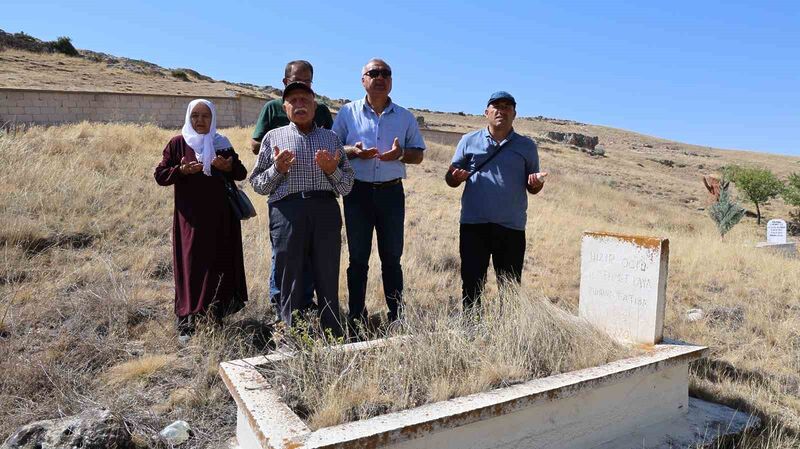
pixel 479 242
pixel 383 209
pixel 307 229
pixel 308 283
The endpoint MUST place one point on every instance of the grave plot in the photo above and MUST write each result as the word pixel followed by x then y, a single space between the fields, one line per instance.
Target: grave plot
pixel 639 401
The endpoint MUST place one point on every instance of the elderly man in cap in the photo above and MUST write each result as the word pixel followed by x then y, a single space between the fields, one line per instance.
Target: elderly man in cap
pixel 273 116
pixel 303 169
pixel 500 167
pixel 381 138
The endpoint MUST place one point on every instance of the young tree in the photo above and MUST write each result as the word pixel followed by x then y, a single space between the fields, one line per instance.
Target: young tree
pixel 758 185
pixel 792 192
pixel 725 212
pixel 729 172
pixel 792 197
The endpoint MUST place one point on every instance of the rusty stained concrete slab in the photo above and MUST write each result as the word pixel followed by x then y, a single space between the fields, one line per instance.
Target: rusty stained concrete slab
pixel 659 378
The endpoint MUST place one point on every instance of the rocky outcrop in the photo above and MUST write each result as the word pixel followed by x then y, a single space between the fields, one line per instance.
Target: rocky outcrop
pixel 92 429
pixel 556 121
pixel 575 139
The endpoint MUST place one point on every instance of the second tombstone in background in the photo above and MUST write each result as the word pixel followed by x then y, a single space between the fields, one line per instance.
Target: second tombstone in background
pixel 776 239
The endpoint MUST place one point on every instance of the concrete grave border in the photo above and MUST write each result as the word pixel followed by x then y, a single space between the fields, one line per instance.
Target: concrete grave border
pixel 637 392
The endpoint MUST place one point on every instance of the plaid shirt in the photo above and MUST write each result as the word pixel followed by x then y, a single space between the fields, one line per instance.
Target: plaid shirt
pixel 304 175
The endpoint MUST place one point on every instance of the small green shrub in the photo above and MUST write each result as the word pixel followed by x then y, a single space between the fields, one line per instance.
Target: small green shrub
pixel 791 195
pixel 180 74
pixel 64 45
pixel 792 192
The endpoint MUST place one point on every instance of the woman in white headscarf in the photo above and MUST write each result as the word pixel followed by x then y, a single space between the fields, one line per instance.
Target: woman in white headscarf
pixel 207 238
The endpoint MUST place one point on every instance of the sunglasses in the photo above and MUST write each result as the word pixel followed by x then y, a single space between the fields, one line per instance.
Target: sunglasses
pixel 374 73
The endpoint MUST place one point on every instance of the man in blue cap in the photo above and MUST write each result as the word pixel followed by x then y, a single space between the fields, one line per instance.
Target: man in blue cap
pixel 499 167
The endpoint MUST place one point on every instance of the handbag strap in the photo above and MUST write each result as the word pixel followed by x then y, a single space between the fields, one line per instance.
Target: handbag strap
pixel 488 159
pixel 229 184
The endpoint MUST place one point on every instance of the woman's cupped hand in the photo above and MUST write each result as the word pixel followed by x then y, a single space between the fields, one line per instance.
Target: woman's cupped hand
pixel 223 163
pixel 190 168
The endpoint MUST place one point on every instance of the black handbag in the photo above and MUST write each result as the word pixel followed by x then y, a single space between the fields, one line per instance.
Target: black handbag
pixel 240 204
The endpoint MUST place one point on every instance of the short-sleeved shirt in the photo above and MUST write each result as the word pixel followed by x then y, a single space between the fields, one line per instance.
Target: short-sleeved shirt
pixel 273 116
pixel 357 122
pixel 498 193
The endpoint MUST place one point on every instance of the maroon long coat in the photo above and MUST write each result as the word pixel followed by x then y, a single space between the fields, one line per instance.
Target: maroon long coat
pixel 206 238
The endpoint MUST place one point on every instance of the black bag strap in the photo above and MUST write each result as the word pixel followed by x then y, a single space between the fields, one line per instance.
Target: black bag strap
pixel 230 186
pixel 488 159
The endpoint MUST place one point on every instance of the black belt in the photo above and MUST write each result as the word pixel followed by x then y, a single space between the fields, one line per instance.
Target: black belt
pixel 309 194
pixel 380 185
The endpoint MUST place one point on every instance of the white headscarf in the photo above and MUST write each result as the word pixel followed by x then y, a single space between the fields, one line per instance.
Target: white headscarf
pixel 204 145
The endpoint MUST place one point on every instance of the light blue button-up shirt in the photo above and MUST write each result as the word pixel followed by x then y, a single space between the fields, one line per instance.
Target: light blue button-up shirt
pixel 357 122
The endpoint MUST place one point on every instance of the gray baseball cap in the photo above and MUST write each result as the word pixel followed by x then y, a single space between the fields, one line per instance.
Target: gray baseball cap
pixel 297 85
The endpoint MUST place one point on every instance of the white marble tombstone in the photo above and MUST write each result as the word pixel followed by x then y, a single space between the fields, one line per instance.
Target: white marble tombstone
pixel 776 240
pixel 623 285
pixel 776 232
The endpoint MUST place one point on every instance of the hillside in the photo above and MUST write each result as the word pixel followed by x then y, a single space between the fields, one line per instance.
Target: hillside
pixel 27 62
pixel 85 261
pixel 654 167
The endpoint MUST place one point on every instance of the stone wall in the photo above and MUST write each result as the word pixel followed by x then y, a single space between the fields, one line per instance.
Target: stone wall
pixel 446 138
pixel 250 109
pixel 50 107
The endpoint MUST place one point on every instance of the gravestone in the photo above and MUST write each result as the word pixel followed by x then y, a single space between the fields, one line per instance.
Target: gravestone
pixel 623 285
pixel 776 239
pixel 776 231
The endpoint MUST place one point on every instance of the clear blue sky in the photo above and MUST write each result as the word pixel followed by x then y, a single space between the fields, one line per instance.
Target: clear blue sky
pixel 722 74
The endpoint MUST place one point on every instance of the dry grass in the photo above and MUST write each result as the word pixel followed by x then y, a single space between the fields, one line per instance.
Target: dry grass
pixel 448 355
pixel 140 369
pixel 86 282
pixel 772 436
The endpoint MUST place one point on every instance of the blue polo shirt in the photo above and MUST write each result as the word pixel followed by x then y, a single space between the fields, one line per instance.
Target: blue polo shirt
pixel 497 194
pixel 357 122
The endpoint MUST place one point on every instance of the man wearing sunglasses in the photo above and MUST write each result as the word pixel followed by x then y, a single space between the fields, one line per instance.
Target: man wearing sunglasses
pixel 380 137
pixel 500 167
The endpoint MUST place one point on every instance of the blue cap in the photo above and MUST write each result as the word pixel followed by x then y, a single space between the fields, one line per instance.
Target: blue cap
pixel 501 95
